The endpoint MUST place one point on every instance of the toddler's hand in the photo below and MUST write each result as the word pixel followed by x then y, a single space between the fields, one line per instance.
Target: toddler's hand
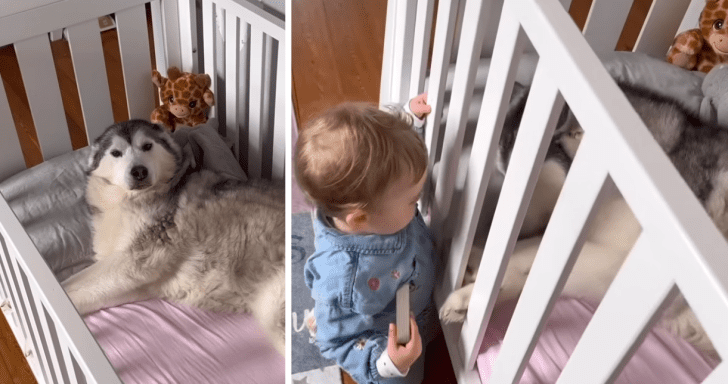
pixel 403 356
pixel 419 106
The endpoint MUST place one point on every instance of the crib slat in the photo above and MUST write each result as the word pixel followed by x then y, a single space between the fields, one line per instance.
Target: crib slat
pixel 208 21
pixel 170 15
pixel 232 37
pixel 279 135
pixel 605 23
pixel 624 317
pixel 582 193
pixel 136 61
pixel 10 284
pixel 402 50
pixel 68 361
pixel 160 53
pixel 421 45
pixel 470 45
pixel 219 62
pixel 536 129
pixel 255 125
pixel 692 15
pixel 186 32
pixel 242 89
pixel 11 157
pixel 93 85
pixel 507 52
pixel 49 349
pixel 660 27
pixel 44 95
pixel 266 129
pixel 441 51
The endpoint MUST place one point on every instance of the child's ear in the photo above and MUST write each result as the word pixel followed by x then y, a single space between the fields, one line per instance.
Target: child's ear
pixel 357 219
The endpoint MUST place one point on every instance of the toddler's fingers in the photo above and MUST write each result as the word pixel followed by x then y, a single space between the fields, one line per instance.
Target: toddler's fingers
pixel 392 340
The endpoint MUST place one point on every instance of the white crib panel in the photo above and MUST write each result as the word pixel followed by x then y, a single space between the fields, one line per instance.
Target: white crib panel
pixel 507 52
pixel 170 17
pixel 256 17
pixel 17 312
pixel 692 15
pixel 208 22
pixel 279 134
pixel 441 51
pixel 11 156
pixel 69 325
pixel 402 50
pixel 719 374
pixel 471 41
pixel 136 61
pixel 256 112
pixel 50 357
pixel 93 85
pixel 605 23
pixel 660 27
pixel 186 33
pixel 232 37
pixel 624 317
pixel 160 52
pixel 421 44
pixel 67 361
pixel 44 96
pixel 539 121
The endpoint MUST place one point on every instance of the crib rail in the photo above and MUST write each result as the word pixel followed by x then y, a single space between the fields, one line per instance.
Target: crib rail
pixel 58 345
pixel 617 153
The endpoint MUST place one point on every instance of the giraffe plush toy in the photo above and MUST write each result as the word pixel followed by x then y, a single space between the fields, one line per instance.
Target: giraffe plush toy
pixel 185 98
pixel 702 48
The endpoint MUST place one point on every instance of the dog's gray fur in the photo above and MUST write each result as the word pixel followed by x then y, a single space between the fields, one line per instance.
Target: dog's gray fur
pixel 192 238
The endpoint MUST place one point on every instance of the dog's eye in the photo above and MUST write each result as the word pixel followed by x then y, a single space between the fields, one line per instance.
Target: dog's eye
pixel 147 147
pixel 116 153
pixel 171 99
pixel 718 24
pixel 192 104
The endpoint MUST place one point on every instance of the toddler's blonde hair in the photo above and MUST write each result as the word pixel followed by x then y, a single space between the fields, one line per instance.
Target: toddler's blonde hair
pixel 346 158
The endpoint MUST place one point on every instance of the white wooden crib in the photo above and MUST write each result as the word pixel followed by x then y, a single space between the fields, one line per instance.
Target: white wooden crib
pixel 620 153
pixel 242 51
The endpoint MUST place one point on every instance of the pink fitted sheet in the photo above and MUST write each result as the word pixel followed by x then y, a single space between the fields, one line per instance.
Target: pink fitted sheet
pixel 159 342
pixel 662 357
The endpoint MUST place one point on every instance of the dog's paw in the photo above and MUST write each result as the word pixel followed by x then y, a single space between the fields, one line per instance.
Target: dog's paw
pixel 454 309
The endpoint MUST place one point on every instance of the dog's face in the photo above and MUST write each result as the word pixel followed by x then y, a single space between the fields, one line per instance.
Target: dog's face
pixel 135 155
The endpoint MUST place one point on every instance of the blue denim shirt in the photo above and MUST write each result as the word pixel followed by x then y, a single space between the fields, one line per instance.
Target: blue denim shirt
pixel 354 280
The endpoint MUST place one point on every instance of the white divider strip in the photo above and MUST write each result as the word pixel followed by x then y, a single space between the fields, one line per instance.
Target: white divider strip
pixel 279 134
pixel 68 361
pixel 44 96
pixel 208 22
pixel 186 24
pixel 402 49
pixel 266 128
pixel 243 45
pixel 136 61
pixel 692 15
pixel 11 157
pixel 256 17
pixel 232 38
pixel 441 51
pixel 17 313
pixel 471 41
pixel 506 55
pixel 170 14
pixel 605 22
pixel 49 346
pixel 160 52
pixel 93 85
pixel 255 150
pixel 534 136
pixel 624 317
pixel 421 47
pixel 660 27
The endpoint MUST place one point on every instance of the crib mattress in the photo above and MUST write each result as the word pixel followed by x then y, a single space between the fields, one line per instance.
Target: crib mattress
pixel 662 357
pixel 155 341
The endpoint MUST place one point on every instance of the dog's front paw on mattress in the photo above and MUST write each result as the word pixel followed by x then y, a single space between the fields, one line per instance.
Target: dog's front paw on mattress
pixel 454 309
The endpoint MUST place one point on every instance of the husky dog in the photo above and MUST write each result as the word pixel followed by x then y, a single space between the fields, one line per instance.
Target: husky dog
pixel 197 239
pixel 698 150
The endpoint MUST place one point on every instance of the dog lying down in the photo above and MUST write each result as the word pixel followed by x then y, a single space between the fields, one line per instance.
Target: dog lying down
pixel 689 144
pixel 193 238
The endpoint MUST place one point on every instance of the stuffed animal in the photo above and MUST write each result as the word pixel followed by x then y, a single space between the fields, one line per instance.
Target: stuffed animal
pixel 701 49
pixel 185 98
pixel 714 106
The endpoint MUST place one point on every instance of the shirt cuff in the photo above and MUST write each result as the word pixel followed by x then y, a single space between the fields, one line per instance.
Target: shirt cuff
pixel 386 367
pixel 416 121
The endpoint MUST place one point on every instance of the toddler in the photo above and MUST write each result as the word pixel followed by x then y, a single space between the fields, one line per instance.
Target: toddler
pixel 364 169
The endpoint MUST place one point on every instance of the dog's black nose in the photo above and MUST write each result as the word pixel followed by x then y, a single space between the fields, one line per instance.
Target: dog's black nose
pixel 139 172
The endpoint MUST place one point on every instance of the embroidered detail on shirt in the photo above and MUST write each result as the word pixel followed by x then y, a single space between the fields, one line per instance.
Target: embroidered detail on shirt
pixel 395 274
pixel 373 283
pixel 361 343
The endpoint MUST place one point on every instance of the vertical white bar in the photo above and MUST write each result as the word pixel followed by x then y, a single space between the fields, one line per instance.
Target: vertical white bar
pixel 50 350
pixel 605 23
pixel 232 38
pixel 160 50
pixel 388 67
pixel 11 157
pixel 136 62
pixel 242 89
pixel 219 52
pixel 421 46
pixel 266 128
pixel 186 23
pixel 624 317
pixel 208 21
pixel 13 297
pixel 660 27
pixel 692 16
pixel 44 96
pixel 170 14
pixel 67 360
pixel 93 85
pixel 402 57
pixel 279 135
pixel 255 150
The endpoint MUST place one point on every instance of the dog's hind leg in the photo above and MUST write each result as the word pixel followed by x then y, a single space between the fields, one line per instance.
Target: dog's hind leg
pixel 269 307
pixel 104 284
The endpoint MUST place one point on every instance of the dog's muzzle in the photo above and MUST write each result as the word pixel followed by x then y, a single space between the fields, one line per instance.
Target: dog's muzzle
pixel 139 177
